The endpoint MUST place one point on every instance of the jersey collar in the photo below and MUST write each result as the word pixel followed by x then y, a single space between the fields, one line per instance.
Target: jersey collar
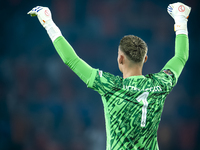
pixel 136 77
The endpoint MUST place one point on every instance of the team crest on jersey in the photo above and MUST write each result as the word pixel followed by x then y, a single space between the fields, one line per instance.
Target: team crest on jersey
pixel 100 73
pixel 168 72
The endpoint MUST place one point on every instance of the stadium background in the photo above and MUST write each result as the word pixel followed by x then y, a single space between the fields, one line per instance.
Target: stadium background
pixel 45 106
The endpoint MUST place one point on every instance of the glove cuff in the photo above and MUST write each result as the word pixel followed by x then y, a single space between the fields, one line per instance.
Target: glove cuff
pixel 52 30
pixel 180 25
pixel 181 28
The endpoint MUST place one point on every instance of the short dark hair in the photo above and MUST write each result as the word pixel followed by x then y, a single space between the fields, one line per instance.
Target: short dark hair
pixel 134 47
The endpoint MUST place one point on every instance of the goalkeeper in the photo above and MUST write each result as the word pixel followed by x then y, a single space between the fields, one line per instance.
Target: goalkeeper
pixel 133 104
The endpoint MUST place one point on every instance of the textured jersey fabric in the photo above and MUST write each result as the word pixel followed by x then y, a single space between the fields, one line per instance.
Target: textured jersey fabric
pixel 125 127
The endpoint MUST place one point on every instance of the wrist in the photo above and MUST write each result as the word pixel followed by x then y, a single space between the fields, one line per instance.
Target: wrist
pixel 180 25
pixel 180 19
pixel 48 24
pixel 52 30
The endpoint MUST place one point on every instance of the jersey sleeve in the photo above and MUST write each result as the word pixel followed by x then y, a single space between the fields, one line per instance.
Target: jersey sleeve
pixel 97 80
pixel 177 63
pixel 102 82
pixel 70 58
pixel 165 78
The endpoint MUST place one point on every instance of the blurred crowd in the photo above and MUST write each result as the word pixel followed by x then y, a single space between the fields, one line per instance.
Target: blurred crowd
pixel 45 106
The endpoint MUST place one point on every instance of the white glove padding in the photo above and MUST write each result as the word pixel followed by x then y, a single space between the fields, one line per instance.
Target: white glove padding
pixel 178 9
pixel 43 14
pixel 45 18
pixel 180 13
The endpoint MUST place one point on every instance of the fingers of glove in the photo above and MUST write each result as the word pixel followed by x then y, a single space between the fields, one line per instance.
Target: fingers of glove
pixel 32 13
pixel 35 11
pixel 169 8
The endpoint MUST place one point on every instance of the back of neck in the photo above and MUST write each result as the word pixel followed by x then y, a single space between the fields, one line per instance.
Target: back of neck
pixel 134 71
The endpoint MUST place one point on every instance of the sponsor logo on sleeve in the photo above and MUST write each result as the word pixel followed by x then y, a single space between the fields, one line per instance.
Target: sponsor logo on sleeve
pixel 168 72
pixel 100 73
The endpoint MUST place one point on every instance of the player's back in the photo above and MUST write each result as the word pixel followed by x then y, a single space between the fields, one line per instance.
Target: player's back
pixel 133 108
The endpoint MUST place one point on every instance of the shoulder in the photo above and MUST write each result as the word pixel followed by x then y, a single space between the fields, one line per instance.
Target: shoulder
pixel 165 78
pixel 104 80
pixel 108 77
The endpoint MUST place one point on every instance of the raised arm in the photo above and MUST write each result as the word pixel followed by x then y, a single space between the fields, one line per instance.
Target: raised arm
pixel 64 49
pixel 69 57
pixel 180 13
pixel 177 63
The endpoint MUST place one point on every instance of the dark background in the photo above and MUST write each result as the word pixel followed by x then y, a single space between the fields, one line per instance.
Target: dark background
pixel 45 106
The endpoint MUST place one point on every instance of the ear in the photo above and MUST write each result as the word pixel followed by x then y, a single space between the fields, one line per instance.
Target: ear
pixel 145 59
pixel 121 59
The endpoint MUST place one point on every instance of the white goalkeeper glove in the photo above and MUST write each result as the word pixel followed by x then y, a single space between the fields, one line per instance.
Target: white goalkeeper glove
pixel 45 18
pixel 180 13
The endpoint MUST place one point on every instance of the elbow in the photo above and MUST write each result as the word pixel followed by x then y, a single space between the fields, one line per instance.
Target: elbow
pixel 65 62
pixel 71 63
pixel 184 59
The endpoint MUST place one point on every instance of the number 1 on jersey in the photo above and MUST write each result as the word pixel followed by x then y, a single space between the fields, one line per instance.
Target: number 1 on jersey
pixel 143 98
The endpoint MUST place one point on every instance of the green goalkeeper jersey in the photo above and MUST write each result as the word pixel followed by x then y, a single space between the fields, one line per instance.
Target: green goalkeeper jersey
pixel 132 106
